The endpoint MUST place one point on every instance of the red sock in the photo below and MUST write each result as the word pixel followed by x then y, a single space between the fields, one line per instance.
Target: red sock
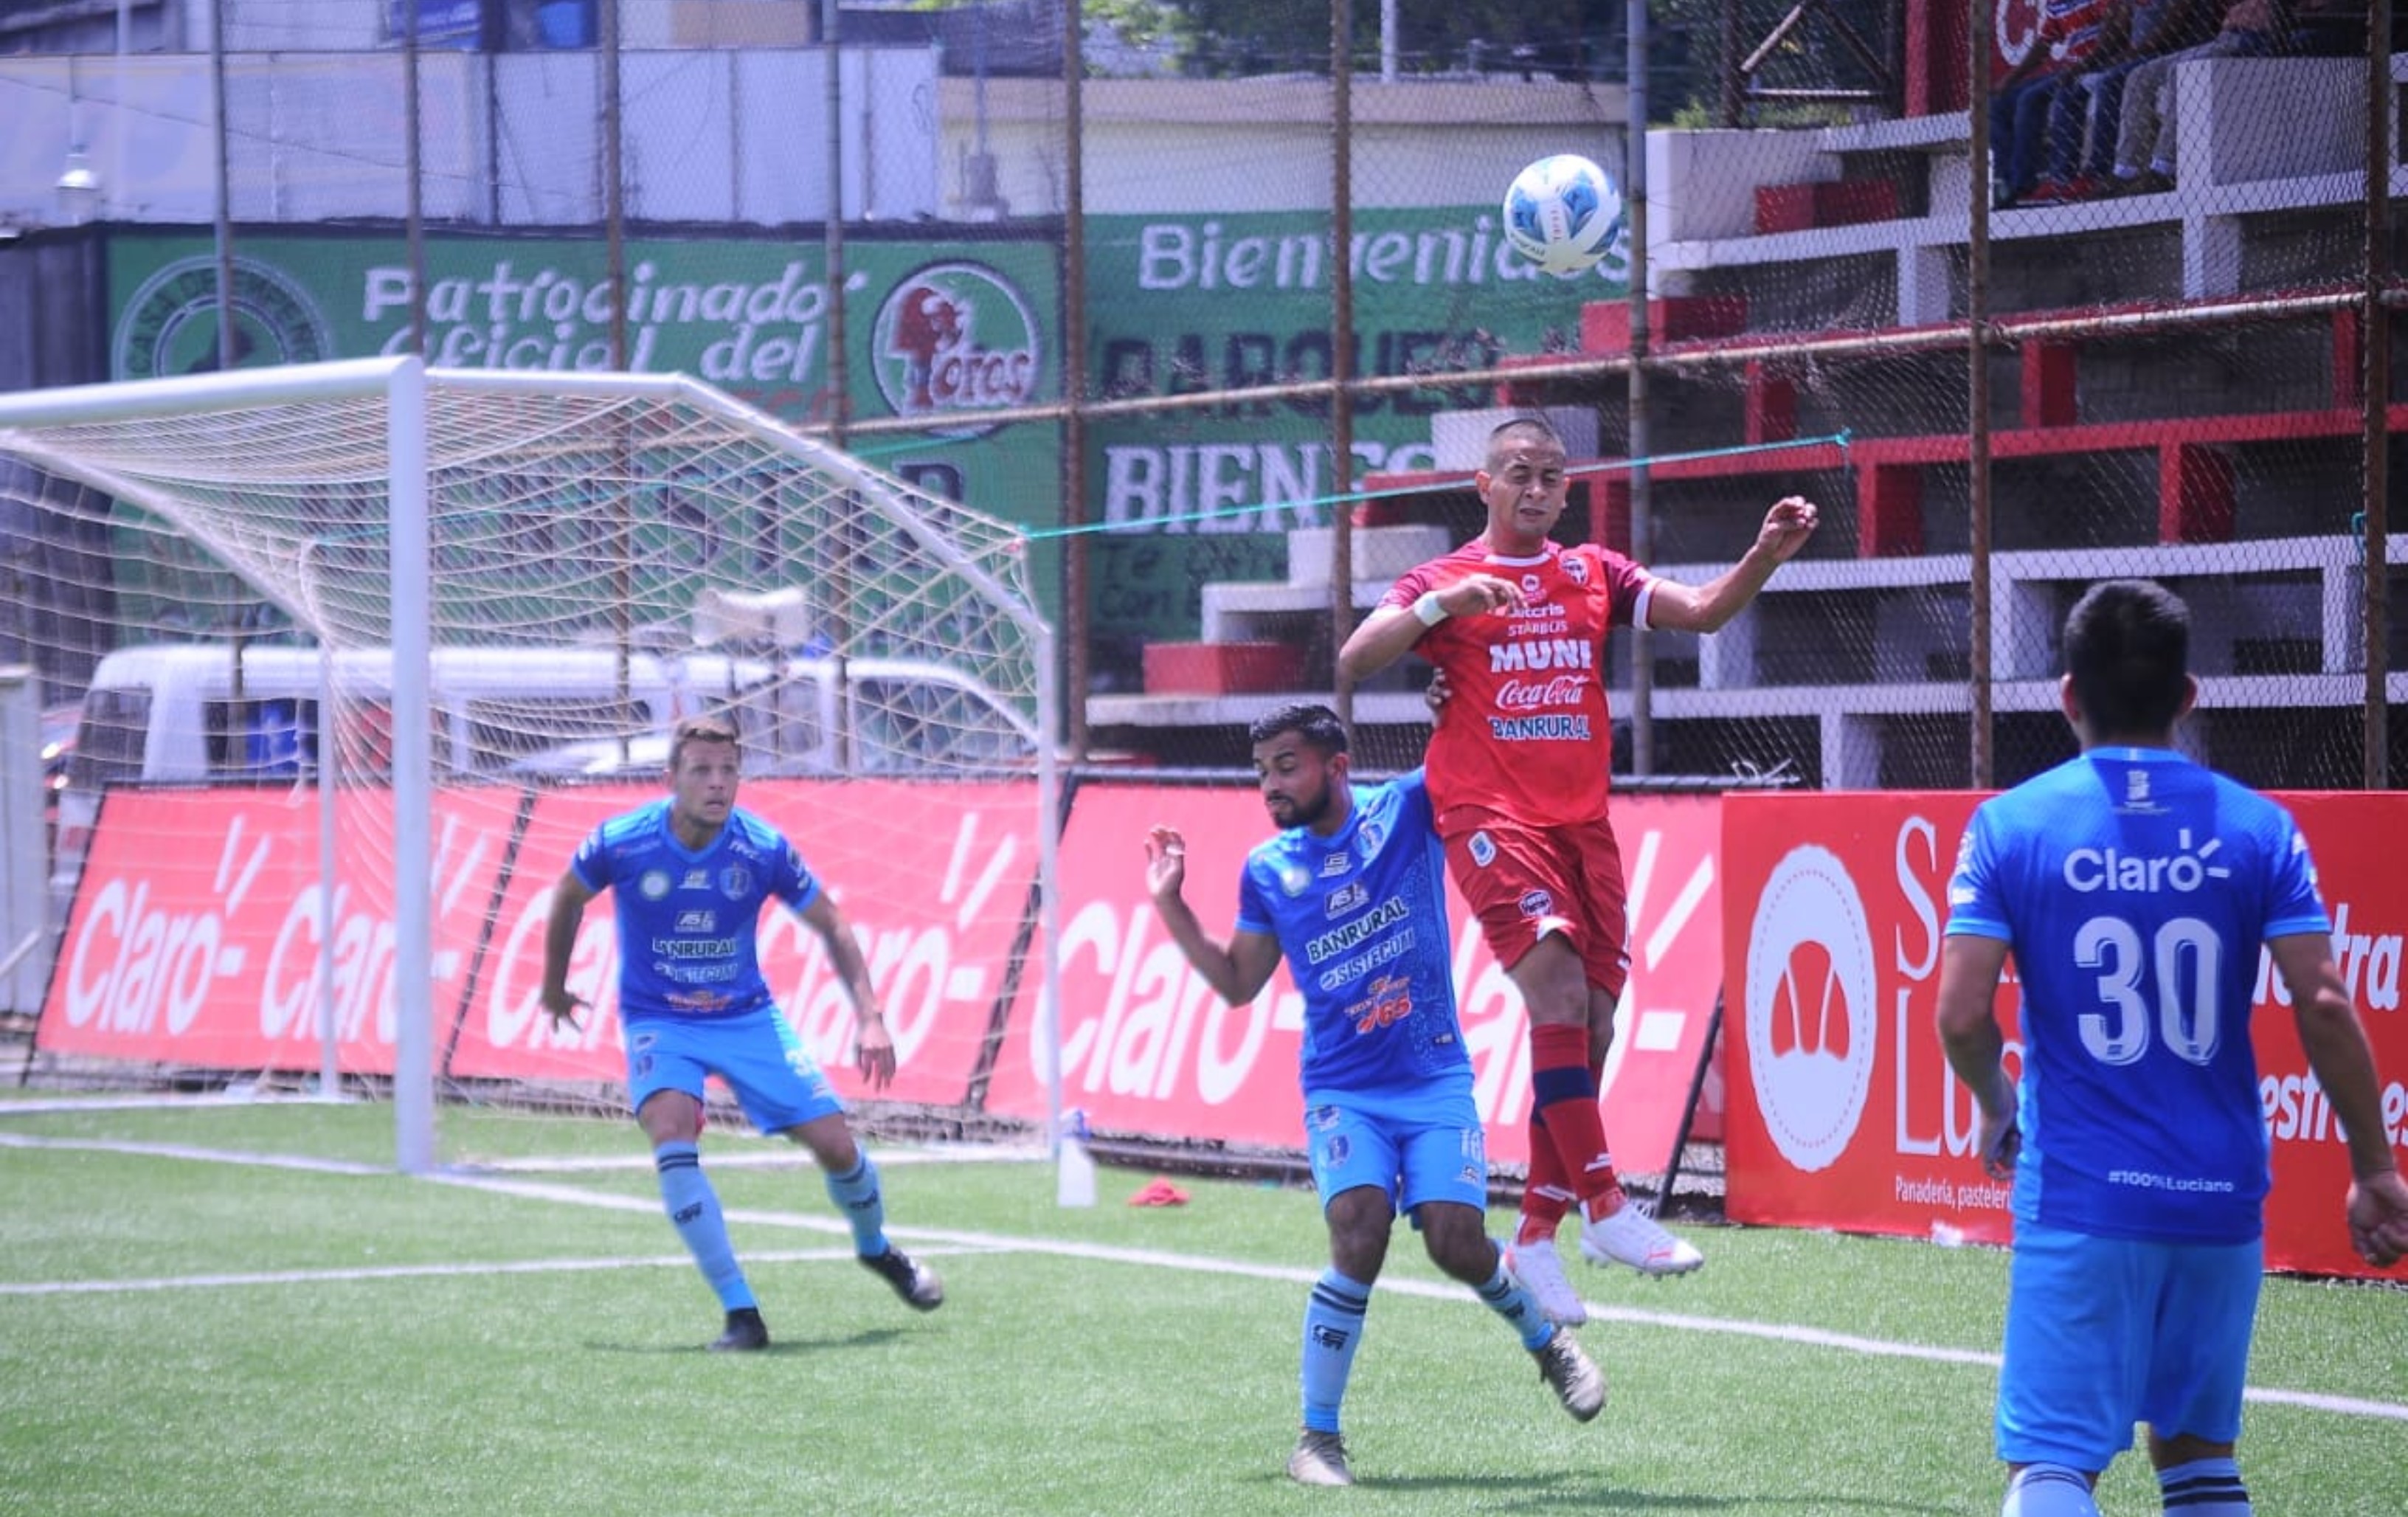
pixel 1563 1095
pixel 1545 1196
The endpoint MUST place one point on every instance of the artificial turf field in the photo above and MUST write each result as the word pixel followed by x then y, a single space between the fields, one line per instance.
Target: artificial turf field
pixel 238 1309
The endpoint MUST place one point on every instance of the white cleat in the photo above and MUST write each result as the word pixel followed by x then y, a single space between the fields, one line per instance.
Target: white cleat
pixel 1575 1378
pixel 1319 1459
pixel 1629 1235
pixel 1542 1274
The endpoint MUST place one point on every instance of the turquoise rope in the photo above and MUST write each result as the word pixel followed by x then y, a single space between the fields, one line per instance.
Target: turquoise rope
pixel 1840 440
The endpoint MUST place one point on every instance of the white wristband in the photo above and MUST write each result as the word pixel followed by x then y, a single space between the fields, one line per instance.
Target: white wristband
pixel 1427 611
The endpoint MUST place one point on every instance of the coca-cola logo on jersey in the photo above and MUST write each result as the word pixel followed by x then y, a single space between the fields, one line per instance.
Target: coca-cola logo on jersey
pixel 1539 694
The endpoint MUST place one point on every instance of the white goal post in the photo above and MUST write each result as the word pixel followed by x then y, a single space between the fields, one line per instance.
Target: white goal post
pixel 418 535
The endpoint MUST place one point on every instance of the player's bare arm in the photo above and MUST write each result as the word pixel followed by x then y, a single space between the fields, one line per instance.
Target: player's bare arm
pixel 874 1045
pixel 1976 1046
pixel 1390 632
pixel 1678 607
pixel 568 901
pixel 1237 970
pixel 2343 1060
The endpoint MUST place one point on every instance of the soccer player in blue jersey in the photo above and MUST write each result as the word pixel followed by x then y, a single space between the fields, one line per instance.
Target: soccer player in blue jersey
pixel 2134 888
pixel 689 876
pixel 1351 890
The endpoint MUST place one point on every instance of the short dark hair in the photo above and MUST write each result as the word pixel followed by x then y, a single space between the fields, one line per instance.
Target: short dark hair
pixel 698 729
pixel 1316 725
pixel 1533 423
pixel 2128 648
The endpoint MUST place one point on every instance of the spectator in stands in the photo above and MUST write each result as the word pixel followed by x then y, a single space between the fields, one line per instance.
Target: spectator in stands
pixel 2134 1142
pixel 2080 153
pixel 1389 1115
pixel 2145 139
pixel 2022 101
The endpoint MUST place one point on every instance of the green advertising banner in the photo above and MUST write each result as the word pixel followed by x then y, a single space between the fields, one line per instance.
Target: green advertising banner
pixel 933 330
pixel 1233 300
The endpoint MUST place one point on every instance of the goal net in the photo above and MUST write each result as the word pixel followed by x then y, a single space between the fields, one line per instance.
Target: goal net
pixel 357 653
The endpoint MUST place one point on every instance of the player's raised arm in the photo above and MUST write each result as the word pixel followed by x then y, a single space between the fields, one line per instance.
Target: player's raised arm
pixel 1238 970
pixel 568 902
pixel 1389 633
pixel 1674 607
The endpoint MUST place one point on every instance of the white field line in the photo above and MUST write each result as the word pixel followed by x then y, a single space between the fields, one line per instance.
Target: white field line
pixel 958 1241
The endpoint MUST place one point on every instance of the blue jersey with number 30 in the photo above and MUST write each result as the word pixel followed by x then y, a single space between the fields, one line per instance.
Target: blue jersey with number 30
pixel 2134 889
pixel 1361 918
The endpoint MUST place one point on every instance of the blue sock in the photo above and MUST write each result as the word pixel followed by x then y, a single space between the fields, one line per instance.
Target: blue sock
pixel 693 1210
pixel 1333 1327
pixel 2204 1488
pixel 2049 1491
pixel 1504 1295
pixel 855 1194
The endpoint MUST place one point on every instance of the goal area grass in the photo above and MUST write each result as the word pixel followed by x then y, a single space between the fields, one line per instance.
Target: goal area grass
pixel 242 1307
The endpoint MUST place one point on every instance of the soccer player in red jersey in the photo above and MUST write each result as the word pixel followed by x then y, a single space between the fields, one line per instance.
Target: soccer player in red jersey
pixel 1516 624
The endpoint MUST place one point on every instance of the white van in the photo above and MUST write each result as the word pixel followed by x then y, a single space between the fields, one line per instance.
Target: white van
pixel 221 712
pixel 890 716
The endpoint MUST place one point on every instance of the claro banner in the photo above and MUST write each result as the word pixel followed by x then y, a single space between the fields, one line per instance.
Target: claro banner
pixel 194 940
pixel 194 935
pixel 1841 1110
pixel 1147 1047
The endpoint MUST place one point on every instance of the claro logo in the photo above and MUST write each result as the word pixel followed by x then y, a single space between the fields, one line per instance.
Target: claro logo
pixel 1810 1007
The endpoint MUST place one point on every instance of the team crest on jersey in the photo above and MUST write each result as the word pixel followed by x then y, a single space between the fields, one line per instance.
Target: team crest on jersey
pixel 1294 878
pixel 735 882
pixel 1335 865
pixel 1368 841
pixel 1484 850
pixel 653 885
pixel 1538 903
pixel 1575 569
pixel 697 921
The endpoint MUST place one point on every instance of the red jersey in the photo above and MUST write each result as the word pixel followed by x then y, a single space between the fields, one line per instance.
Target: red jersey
pixel 1527 734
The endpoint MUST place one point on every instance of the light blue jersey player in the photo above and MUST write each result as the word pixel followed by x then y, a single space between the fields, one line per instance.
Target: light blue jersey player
pixel 2134 889
pixel 1351 892
pixel 688 877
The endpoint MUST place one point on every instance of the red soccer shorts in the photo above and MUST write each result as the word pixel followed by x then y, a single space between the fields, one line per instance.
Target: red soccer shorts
pixel 1523 882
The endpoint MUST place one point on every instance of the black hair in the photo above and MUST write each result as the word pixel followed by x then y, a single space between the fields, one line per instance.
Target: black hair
pixel 1316 725
pixel 2127 649
pixel 1533 423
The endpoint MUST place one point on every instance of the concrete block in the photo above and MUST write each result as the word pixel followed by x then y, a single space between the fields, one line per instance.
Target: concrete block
pixel 1381 553
pixel 1460 439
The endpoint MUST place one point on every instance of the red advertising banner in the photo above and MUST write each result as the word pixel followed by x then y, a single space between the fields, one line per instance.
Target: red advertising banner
pixel 936 908
pixel 1843 1112
pixel 194 936
pixel 1148 1048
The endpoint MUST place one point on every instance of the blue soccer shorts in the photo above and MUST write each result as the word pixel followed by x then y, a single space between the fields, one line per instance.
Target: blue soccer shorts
pixel 1412 1161
pixel 776 1080
pixel 2106 1332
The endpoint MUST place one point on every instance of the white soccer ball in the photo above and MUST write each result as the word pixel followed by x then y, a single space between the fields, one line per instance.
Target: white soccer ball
pixel 1563 213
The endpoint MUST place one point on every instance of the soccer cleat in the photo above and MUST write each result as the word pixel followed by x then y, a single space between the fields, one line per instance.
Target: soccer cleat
pixel 1542 1274
pixel 1319 1459
pixel 1628 1235
pixel 916 1283
pixel 1573 1376
pixel 746 1332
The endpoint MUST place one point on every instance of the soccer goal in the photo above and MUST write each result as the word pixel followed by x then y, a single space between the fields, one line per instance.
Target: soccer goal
pixel 364 649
